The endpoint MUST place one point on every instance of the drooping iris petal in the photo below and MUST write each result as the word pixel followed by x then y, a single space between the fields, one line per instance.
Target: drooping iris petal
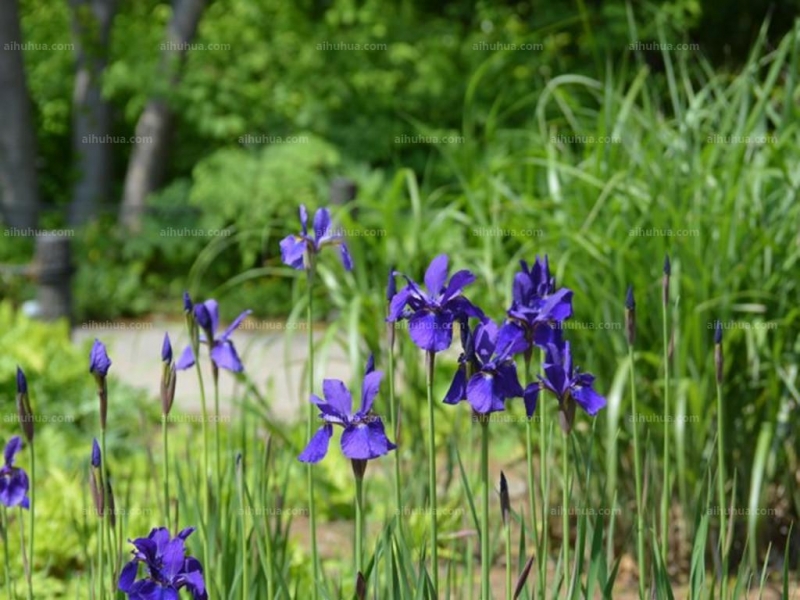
pixel 530 397
pixel 431 331
pixel 589 400
pixel 186 359
pixel 458 388
pixel 365 441
pixel 317 447
pixel 13 487
pixel 293 248
pixel 507 383
pixel 128 576
pixel 224 356
pixel 397 304
pixel 481 394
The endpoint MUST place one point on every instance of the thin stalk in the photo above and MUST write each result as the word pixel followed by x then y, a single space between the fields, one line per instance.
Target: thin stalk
pixel 529 454
pixel 359 524
pixel 104 504
pixel 509 588
pixel 215 380
pixel 166 470
pixel 565 506
pixel 206 490
pixel 395 428
pixel 25 556
pixel 312 511
pixel 431 357
pixel 243 533
pixel 470 539
pixel 485 558
pixel 723 526
pixel 543 553
pixel 637 468
pixel 665 499
pixel 32 509
pixel 5 553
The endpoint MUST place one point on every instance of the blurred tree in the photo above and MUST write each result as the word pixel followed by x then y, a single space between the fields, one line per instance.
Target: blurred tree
pixel 91 112
pixel 154 127
pixel 18 187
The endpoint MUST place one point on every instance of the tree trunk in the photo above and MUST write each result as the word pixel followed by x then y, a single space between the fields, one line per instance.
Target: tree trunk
pixel 19 195
pixel 154 128
pixel 91 116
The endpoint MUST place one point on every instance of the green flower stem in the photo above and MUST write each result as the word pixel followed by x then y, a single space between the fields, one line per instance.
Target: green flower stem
pixel 359 523
pixel 206 489
pixel 104 505
pixel 509 588
pixel 637 468
pixel 25 564
pixel 393 410
pixel 541 407
pixel 5 554
pixel 243 533
pixel 166 470
pixel 529 456
pixel 565 506
pixel 312 417
pixel 665 499
pixel 485 558
pixel 431 359
pixel 723 519
pixel 32 519
pixel 215 379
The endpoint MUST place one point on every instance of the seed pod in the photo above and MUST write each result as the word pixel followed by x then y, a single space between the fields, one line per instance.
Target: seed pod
pixel 505 501
pixel 630 316
pixel 718 358
pixel 24 406
pixel 665 281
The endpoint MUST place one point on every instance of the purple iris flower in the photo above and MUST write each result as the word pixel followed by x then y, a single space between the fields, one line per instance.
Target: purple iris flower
pixel 431 314
pixel 537 307
pixel 565 382
pixel 99 363
pixel 296 249
pixel 487 375
pixel 364 436
pixel 13 480
pixel 223 353
pixel 168 568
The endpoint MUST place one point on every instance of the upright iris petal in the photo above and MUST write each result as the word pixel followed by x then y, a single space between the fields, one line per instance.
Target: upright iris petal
pixel 537 307
pixel 222 351
pixel 13 480
pixel 364 436
pixel 431 313
pixel 168 568
pixel 298 249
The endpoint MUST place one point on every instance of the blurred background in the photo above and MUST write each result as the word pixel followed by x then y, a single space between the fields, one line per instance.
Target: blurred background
pixel 148 147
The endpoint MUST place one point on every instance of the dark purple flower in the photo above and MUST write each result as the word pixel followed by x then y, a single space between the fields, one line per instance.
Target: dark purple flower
pixel 565 382
pixel 223 353
pixel 22 382
pixel 168 568
pixel 431 314
pixel 537 307
pixel 13 480
pixel 187 303
pixel 391 285
pixel 99 363
pixel 166 350
pixel 487 375
pixel 24 411
pixel 364 436
pixel 296 249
